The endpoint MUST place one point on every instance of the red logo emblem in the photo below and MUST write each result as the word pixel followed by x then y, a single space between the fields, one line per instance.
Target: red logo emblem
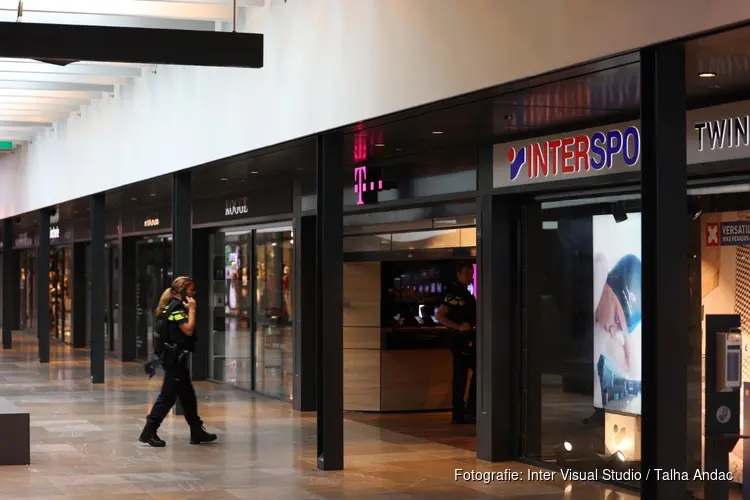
pixel 712 235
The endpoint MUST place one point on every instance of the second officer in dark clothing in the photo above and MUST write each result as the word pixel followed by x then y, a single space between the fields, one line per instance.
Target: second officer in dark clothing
pixel 177 308
pixel 458 311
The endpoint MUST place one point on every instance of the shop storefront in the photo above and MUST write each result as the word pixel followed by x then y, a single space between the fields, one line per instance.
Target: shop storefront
pixel 250 239
pixel 580 251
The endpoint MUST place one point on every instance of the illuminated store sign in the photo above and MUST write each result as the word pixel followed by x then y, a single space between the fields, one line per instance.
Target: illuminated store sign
pixel 587 152
pixel 23 240
pixel 236 207
pixel 580 153
pixel 151 222
pixel 367 188
pixel 724 133
pixel 54 232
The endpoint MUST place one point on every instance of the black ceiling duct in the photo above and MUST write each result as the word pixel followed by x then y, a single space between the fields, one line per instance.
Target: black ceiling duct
pixel 62 44
pixel 57 62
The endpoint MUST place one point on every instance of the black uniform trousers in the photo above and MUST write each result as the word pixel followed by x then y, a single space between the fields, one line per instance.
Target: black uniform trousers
pixel 177 383
pixel 464 359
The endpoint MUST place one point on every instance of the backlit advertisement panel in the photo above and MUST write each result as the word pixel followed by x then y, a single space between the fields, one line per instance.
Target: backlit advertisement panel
pixel 617 313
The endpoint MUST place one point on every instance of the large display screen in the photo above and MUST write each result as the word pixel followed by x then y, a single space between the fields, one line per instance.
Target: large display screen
pixel 617 313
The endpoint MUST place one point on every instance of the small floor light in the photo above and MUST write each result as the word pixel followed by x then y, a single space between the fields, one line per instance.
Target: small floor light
pixel 561 451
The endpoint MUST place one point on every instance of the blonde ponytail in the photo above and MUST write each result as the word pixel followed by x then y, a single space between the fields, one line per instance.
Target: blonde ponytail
pixel 163 301
pixel 178 285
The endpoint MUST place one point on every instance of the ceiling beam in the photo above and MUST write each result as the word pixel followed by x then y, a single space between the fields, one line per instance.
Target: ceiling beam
pixel 79 68
pixel 53 85
pixel 8 121
pixel 203 11
pixel 35 115
pixel 62 78
pixel 58 94
pixel 42 101
pixel 40 106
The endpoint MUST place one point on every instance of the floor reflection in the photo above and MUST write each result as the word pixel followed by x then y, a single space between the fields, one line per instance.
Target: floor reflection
pixel 84 446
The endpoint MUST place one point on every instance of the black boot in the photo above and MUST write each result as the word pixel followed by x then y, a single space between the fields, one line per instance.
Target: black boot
pixel 150 437
pixel 198 435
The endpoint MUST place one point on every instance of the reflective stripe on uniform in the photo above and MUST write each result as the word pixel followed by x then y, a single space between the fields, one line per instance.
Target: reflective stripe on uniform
pixel 178 316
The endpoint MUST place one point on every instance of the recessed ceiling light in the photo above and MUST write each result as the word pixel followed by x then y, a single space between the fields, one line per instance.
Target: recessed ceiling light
pixel 379 145
pixel 133 199
pixel 254 172
pixel 399 149
pixel 153 194
pixel 706 74
pixel 224 179
pixel 437 132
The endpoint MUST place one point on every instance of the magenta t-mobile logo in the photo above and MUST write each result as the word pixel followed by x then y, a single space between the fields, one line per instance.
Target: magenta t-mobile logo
pixel 362 186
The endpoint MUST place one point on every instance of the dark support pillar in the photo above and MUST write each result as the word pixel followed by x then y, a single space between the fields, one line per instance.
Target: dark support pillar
pixel 665 269
pixel 128 302
pixel 202 274
pixel 182 246
pixel 303 285
pixel 78 272
pixel 497 365
pixel 98 288
pixel 10 284
pixel 43 319
pixel 329 301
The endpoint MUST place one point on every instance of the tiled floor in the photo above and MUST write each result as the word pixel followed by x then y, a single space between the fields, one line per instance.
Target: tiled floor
pixel 84 446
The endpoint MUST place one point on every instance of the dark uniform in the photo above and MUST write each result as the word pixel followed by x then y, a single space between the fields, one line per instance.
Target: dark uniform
pixel 177 381
pixel 462 308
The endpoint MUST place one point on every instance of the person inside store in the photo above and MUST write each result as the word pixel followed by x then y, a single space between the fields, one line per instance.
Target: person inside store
pixel 617 338
pixel 458 311
pixel 176 310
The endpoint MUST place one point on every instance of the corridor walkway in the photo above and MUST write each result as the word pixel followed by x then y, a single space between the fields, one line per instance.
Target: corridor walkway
pixel 84 446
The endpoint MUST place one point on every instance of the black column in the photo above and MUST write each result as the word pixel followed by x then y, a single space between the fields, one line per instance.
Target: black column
pixel 305 332
pixel 98 288
pixel 329 301
pixel 182 246
pixel 10 284
pixel 128 299
pixel 43 321
pixel 497 362
pixel 202 274
pixel 78 272
pixel 665 269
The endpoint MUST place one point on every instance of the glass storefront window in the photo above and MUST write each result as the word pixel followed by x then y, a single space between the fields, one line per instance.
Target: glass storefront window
pixel 251 345
pixel 273 312
pixel 28 286
pixel 582 334
pixel 232 336
pixel 154 275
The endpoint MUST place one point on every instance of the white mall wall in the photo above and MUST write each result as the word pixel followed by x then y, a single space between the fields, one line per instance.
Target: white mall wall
pixel 330 63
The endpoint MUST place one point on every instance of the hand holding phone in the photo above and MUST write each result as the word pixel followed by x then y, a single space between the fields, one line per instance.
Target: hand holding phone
pixel 189 303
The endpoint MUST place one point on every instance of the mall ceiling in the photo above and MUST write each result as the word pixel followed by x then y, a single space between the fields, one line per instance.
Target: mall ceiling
pixel 34 95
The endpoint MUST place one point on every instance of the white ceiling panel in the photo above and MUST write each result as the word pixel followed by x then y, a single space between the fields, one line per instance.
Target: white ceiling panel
pixel 34 94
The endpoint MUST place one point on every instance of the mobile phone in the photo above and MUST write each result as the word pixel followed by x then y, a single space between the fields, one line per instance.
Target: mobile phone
pixel 183 295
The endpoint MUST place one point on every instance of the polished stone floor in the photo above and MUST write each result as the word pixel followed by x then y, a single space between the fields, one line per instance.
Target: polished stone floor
pixel 84 446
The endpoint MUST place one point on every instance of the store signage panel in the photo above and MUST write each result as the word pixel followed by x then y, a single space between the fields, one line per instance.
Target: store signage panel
pixel 718 133
pixel 271 200
pixel 235 207
pixel 724 234
pixel 596 151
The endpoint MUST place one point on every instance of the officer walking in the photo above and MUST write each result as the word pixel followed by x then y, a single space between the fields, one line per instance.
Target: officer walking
pixel 177 308
pixel 458 311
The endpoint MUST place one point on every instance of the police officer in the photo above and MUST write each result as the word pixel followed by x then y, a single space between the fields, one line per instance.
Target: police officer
pixel 458 311
pixel 178 309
